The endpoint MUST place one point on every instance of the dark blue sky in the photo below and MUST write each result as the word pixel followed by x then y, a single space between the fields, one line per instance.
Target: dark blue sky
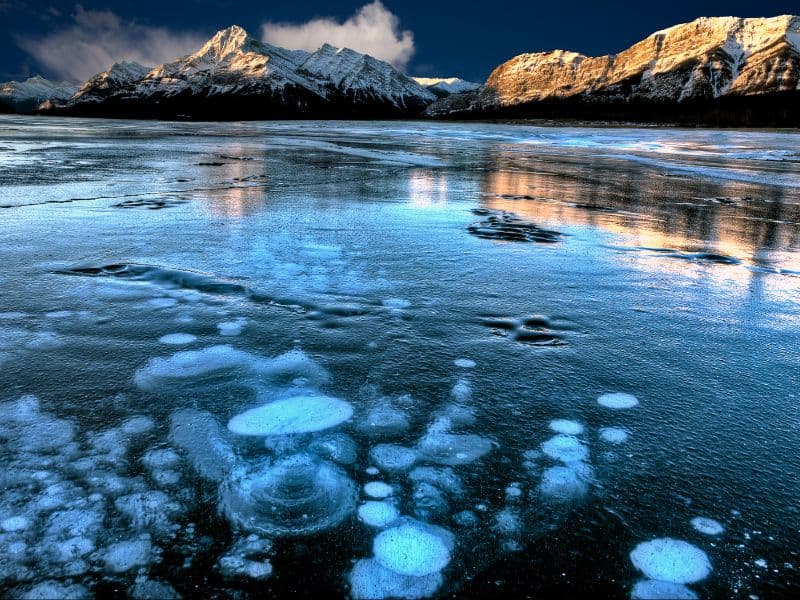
pixel 450 37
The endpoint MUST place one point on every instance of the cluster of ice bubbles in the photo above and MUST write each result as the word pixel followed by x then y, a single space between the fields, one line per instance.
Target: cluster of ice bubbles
pixel 69 512
pixel 668 564
pixel 293 463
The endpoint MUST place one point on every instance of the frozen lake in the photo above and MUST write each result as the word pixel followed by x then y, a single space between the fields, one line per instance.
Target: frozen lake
pixel 398 360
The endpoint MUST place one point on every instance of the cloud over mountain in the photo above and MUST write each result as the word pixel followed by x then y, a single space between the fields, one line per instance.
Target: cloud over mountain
pixel 372 30
pixel 96 39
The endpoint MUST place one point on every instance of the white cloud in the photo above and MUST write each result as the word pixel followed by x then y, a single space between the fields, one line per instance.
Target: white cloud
pixel 373 30
pixel 97 39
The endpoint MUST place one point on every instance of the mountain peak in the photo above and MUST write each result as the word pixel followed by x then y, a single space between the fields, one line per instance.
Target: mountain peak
pixel 228 41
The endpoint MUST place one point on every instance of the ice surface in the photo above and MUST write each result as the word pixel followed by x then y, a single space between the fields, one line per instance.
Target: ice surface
pixel 300 414
pixel 201 437
pixel 566 427
pixel 707 526
pixel 162 302
pixel 651 589
pixel 190 364
pixel 671 560
pixel 618 401
pixel 396 303
pixel 369 580
pixel 565 448
pixel 413 549
pixel 378 514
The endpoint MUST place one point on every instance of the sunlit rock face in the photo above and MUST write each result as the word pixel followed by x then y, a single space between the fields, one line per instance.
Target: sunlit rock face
pixel 708 57
pixel 298 495
pixel 699 61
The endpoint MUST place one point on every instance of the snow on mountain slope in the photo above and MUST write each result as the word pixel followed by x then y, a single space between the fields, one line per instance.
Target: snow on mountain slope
pixel 234 70
pixel 120 77
pixel 362 77
pixel 444 86
pixel 25 96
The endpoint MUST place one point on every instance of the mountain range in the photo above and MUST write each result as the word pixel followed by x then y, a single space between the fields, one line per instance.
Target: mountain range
pixel 237 76
pixel 26 96
pixel 724 70
pixel 721 70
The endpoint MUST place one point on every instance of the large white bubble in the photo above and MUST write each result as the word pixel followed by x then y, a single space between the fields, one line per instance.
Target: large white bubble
pixel 369 580
pixel 707 526
pixel 566 427
pixel 299 414
pixel 413 549
pixel 651 589
pixel 565 448
pixel 618 401
pixel 667 559
pixel 377 513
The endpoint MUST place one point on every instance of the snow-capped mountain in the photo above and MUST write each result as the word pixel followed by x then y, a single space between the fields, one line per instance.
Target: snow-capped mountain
pixel 120 77
pixel 236 76
pixel 722 64
pixel 445 86
pixel 25 96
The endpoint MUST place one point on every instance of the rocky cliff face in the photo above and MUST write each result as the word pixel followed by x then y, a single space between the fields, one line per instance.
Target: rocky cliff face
pixel 694 63
pixel 236 76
